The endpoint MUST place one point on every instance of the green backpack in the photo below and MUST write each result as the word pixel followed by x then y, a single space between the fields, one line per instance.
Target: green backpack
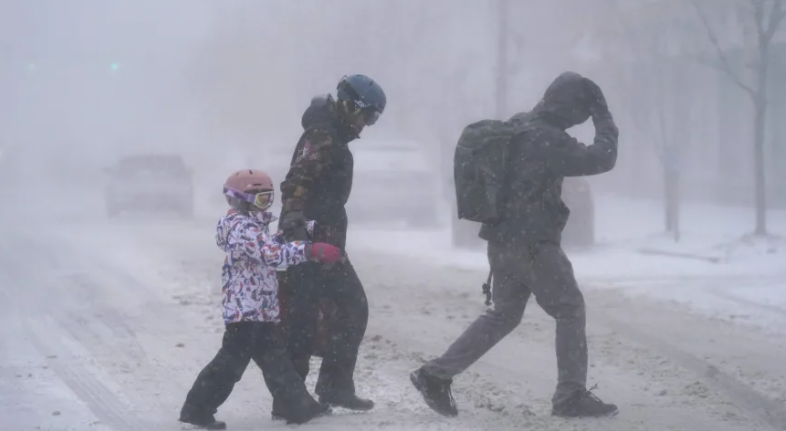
pixel 480 163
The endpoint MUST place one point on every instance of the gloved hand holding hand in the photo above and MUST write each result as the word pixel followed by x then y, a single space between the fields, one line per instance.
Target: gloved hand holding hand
pixel 293 225
pixel 596 101
pixel 323 252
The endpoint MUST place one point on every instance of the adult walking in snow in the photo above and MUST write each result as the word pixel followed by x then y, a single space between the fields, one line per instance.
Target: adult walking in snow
pixel 523 224
pixel 316 188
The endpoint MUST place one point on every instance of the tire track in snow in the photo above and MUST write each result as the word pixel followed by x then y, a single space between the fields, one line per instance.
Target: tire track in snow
pixel 65 355
pixel 723 294
pixel 671 280
pixel 762 407
pixel 111 337
pixel 103 402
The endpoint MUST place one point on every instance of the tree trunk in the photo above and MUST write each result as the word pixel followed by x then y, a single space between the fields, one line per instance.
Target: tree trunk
pixel 759 137
pixel 667 199
pixel 672 201
pixel 760 183
pixel 675 216
pixel 671 170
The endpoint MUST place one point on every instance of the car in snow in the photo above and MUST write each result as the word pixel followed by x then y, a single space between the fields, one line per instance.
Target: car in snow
pixel 394 182
pixel 579 231
pixel 150 182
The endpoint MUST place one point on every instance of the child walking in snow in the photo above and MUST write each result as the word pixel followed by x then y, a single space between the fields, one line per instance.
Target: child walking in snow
pixel 251 309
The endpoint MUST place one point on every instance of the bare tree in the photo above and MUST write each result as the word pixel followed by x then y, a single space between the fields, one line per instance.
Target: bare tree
pixel 652 76
pixel 767 17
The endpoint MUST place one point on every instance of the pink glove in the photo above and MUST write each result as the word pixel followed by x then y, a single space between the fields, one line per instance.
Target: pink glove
pixel 324 252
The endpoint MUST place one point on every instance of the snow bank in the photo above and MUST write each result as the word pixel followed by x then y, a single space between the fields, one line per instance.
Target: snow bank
pixel 714 242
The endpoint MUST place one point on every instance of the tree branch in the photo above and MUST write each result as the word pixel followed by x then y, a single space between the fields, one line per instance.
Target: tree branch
pixel 634 40
pixel 725 66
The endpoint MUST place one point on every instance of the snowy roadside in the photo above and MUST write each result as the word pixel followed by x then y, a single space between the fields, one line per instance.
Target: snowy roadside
pixel 740 290
pixel 606 262
pixel 715 269
pixel 628 243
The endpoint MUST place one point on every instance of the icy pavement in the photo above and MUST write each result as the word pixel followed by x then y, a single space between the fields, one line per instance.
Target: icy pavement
pixel 109 322
pixel 131 312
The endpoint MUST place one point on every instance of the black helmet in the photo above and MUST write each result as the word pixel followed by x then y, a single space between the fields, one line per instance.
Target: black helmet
pixel 365 93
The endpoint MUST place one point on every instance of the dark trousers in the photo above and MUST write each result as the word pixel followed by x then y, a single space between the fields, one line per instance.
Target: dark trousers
pixel 519 272
pixel 243 342
pixel 307 287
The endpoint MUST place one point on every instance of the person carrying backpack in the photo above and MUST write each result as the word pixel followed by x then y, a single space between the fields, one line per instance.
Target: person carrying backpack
pixel 508 176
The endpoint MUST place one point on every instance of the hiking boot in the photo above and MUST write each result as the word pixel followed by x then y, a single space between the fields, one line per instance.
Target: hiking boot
pixel 350 402
pixel 584 404
pixel 435 391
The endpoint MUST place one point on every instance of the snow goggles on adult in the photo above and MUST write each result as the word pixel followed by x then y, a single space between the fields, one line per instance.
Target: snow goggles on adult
pixel 262 200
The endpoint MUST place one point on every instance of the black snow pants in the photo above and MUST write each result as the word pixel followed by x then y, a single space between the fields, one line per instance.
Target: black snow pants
pixel 243 342
pixel 305 287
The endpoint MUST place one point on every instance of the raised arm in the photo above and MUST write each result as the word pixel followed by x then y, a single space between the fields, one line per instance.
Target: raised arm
pixel 568 157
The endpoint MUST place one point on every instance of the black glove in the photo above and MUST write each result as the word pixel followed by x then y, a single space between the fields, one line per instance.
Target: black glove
pixel 596 101
pixel 293 225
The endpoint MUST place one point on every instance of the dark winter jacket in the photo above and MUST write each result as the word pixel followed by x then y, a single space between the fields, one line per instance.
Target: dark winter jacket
pixel 543 154
pixel 319 180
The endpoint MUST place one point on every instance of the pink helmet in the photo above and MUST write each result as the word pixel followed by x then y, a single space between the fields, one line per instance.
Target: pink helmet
pixel 249 189
pixel 248 180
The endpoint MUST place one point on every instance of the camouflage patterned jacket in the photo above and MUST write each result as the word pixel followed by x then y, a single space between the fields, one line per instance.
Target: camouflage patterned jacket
pixel 319 180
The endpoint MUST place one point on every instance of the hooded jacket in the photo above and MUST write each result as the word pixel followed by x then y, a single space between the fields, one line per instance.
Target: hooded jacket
pixel 319 180
pixel 542 154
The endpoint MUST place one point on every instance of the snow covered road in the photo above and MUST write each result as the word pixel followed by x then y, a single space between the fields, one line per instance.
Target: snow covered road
pixel 105 326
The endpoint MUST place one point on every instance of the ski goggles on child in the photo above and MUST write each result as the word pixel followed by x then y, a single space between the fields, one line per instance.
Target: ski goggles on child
pixel 262 200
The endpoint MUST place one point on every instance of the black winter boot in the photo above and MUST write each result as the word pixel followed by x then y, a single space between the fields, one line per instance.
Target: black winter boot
pixel 207 423
pixel 436 392
pixel 350 402
pixel 313 411
pixel 584 404
pixel 317 410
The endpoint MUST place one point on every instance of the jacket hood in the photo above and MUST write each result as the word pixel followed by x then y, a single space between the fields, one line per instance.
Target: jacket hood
pixel 323 110
pixel 565 102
